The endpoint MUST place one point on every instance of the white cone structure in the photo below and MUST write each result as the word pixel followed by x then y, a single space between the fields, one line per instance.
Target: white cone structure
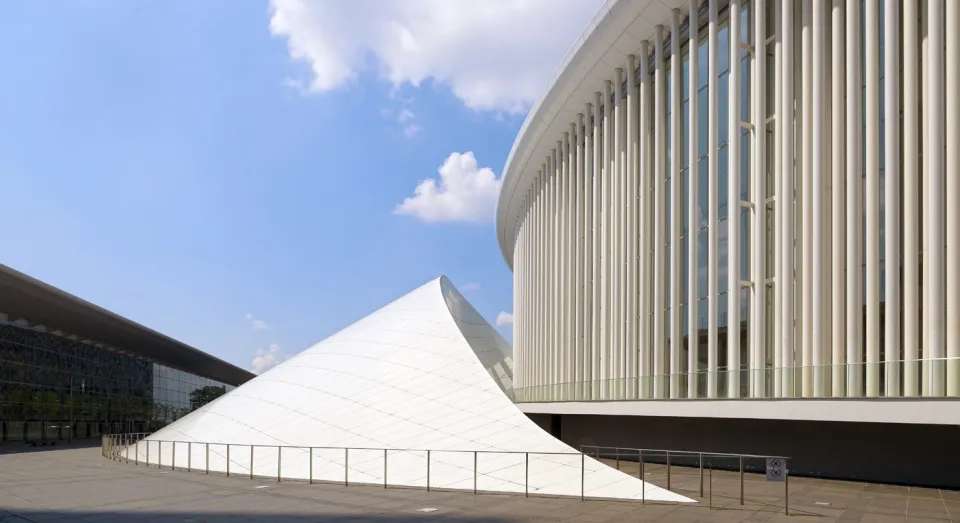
pixel 425 373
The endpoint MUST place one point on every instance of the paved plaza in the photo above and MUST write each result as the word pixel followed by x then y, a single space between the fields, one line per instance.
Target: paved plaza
pixel 78 485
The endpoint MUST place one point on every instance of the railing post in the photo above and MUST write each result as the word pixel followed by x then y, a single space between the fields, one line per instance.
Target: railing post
pixel 526 475
pixel 189 456
pixel 148 453
pixel 701 474
pixel 643 477
pixel 346 467
pixel 228 460
pixel 311 466
pixel 668 470
pixel 251 461
pixel 474 473
pixel 207 461
pixel 173 460
pixel 279 461
pixel 741 480
pixel 136 455
pixel 384 468
pixel 583 476
pixel 618 457
pixel 428 471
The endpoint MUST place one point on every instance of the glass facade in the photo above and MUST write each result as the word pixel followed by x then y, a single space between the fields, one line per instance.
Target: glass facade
pixel 57 388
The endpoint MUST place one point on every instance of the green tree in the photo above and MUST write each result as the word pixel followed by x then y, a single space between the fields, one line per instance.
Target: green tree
pixel 203 395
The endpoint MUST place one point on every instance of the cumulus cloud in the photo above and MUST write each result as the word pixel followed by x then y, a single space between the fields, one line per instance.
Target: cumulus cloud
pixel 257 324
pixel 504 319
pixel 493 55
pixel 265 359
pixel 465 192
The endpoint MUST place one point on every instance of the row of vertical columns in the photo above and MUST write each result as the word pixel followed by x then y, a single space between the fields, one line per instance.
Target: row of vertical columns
pixel 595 280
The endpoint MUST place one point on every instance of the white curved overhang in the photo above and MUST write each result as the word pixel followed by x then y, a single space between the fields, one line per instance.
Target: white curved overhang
pixel 614 33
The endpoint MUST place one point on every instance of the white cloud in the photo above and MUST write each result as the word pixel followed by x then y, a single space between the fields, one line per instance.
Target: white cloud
pixel 472 286
pixel 412 130
pixel 494 54
pixel 504 318
pixel 465 192
pixel 267 359
pixel 257 324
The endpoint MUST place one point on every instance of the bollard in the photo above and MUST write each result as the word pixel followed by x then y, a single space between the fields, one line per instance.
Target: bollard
pixel 207 466
pixel 189 456
pixel 618 458
pixel 668 470
pixel 526 475
pixel 148 454
pixel 173 460
pixel 741 480
pixel 711 486
pixel 311 465
pixel 251 461
pixel 384 468
pixel 279 460
pixel 228 460
pixel 583 481
pixel 786 491
pixel 701 475
pixel 428 471
pixel 474 473
pixel 136 455
pixel 346 467
pixel 643 487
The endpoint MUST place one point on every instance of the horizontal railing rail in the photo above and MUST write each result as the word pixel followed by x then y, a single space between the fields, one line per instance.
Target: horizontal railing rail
pixel 891 379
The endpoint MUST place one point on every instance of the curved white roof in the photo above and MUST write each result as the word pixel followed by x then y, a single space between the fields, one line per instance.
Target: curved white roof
pixel 425 372
pixel 614 32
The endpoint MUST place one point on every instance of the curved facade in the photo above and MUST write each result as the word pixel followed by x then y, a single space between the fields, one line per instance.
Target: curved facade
pixel 741 199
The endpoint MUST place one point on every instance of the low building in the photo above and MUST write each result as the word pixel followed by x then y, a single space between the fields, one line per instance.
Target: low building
pixel 70 369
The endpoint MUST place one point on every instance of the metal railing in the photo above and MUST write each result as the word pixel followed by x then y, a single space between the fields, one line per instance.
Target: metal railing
pixel 135 448
pixel 670 460
pixel 884 379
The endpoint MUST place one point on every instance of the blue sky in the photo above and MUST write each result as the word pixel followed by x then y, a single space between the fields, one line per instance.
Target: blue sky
pixel 184 165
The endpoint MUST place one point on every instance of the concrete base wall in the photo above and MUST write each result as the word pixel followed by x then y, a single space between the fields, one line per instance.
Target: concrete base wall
pixel 922 455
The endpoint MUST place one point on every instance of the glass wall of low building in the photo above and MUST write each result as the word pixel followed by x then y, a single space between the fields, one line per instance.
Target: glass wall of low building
pixel 56 388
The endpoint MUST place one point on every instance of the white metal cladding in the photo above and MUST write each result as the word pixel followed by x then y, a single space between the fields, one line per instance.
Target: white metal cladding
pixel 424 373
pixel 821 164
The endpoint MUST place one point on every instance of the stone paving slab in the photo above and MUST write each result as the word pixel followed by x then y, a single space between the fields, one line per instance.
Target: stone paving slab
pixel 78 485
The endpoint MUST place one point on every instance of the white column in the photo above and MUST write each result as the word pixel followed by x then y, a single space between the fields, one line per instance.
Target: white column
pixel 911 197
pixel 712 215
pixel 804 200
pixel 779 280
pixel 872 195
pixel 542 342
pixel 952 197
pixel 838 203
pixel 758 195
pixel 891 39
pixel 616 163
pixel 585 122
pixel 563 259
pixel 556 352
pixel 631 227
pixel 816 197
pixel 645 287
pixel 733 208
pixel 568 283
pixel 693 219
pixel 785 280
pixel 854 197
pixel 659 210
pixel 582 286
pixel 607 324
pixel 676 216
pixel 933 202
pixel 597 249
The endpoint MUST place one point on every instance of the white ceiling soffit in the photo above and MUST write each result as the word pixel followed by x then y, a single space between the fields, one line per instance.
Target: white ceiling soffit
pixel 424 372
pixel 614 32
